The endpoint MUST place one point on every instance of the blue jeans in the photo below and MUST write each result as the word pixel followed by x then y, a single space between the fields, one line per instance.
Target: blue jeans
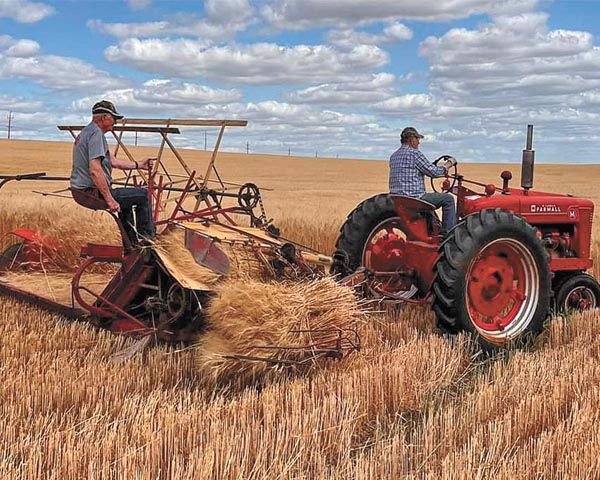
pixel 445 201
pixel 130 199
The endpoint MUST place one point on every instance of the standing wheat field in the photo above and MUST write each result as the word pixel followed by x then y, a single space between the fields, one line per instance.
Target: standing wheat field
pixel 410 404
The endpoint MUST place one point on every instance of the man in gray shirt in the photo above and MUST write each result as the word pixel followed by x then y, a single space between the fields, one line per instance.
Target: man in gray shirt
pixel 92 173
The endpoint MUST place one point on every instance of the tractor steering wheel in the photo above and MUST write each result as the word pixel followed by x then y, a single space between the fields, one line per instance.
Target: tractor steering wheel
pixel 452 172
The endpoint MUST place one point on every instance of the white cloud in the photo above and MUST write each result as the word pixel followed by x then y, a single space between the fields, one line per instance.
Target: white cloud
pixel 276 126
pixel 24 11
pixel 171 92
pixel 223 12
pixel 410 103
pixel 398 32
pixel 165 97
pixel 21 59
pixel 23 48
pixel 305 14
pixel 19 104
pixel 515 60
pixel 273 126
pixel 138 4
pixel 374 88
pixel 348 39
pixel 256 64
pixel 510 39
pixel 127 30
pixel 224 18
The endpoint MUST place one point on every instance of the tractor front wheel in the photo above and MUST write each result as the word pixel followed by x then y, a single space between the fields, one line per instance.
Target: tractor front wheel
pixel 493 280
pixel 577 293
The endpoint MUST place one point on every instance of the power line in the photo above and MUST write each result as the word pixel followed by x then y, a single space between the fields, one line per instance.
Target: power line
pixel 10 116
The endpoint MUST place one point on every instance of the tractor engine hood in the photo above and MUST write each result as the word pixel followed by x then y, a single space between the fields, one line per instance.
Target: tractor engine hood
pixel 534 205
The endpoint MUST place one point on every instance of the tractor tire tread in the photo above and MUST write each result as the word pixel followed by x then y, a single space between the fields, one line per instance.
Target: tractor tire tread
pixel 359 224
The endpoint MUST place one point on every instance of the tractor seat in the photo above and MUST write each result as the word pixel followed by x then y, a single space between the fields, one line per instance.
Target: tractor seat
pixel 411 204
pixel 411 209
pixel 91 198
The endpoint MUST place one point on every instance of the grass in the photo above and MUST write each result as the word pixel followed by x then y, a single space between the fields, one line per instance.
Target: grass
pixel 411 404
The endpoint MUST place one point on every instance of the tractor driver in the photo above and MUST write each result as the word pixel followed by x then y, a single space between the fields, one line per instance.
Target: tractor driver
pixel 408 167
pixel 92 172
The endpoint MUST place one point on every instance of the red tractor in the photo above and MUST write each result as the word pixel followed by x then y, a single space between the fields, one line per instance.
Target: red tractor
pixel 513 256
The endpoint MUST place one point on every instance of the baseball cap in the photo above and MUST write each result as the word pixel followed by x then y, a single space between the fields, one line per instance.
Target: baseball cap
pixel 105 106
pixel 409 132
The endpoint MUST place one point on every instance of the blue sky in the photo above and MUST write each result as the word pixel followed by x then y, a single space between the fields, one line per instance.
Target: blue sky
pixel 316 77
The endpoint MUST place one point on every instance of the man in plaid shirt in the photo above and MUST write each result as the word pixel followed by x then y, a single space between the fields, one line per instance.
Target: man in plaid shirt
pixel 408 167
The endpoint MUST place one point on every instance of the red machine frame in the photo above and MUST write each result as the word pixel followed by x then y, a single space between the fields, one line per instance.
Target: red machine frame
pixel 140 271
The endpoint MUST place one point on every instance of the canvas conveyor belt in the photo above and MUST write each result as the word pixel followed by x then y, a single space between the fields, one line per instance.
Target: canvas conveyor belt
pixel 48 291
pixel 238 234
pixel 254 236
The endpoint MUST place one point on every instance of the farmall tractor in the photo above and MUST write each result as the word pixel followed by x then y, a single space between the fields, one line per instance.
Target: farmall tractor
pixel 513 256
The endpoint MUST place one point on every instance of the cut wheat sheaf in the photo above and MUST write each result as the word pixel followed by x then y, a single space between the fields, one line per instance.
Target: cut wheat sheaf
pixel 256 326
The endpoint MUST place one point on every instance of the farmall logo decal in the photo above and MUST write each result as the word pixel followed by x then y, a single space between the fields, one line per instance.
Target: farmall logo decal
pixel 545 208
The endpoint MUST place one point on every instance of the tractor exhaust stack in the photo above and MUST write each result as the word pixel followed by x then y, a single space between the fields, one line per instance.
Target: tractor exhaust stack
pixel 528 162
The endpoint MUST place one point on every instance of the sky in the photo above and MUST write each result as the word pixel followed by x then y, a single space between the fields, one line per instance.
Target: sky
pixel 316 78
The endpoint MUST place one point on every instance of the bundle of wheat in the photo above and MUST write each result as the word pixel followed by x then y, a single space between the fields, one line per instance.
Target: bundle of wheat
pixel 245 318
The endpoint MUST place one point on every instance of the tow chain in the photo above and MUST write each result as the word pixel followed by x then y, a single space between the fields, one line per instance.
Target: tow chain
pixel 263 214
pixel 263 222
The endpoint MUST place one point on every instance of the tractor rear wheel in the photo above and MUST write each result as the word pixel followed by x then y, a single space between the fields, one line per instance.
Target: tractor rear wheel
pixel 577 293
pixel 373 237
pixel 493 280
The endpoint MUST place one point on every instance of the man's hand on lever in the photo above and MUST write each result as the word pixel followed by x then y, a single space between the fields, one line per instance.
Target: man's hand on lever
pixel 113 205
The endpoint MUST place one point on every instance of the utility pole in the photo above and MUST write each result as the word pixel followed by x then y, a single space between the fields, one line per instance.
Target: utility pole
pixel 10 116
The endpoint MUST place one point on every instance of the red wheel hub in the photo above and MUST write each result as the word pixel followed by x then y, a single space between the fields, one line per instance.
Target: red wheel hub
pixel 384 250
pixel 580 299
pixel 385 253
pixel 496 287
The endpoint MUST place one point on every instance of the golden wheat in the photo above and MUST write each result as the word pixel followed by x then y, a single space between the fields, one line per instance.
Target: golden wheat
pixel 411 404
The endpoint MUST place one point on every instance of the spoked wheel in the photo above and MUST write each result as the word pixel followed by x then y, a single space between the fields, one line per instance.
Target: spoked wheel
pixel 577 293
pixel 384 251
pixel 248 196
pixel 493 280
pixel 176 301
pixel 372 237
pixel 11 257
